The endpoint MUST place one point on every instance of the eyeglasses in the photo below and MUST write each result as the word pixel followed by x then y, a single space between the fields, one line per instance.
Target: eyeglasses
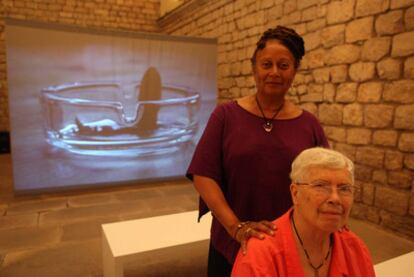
pixel 326 189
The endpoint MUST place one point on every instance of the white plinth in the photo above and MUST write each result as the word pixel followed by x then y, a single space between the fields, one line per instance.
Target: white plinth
pixel 132 237
pixel 401 266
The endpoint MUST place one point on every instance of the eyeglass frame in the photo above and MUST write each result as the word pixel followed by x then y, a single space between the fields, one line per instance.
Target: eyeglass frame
pixel 327 189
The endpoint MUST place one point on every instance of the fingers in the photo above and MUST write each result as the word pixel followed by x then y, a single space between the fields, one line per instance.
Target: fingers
pixel 266 227
pixel 253 229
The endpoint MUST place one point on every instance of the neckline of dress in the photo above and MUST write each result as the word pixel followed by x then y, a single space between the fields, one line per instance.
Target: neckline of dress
pixel 275 119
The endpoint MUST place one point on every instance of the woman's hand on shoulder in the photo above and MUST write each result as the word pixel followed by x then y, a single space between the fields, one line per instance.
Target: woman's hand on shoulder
pixel 245 230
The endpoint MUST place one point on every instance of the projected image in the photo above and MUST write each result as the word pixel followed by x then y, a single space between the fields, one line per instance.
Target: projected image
pixel 115 119
pixel 93 109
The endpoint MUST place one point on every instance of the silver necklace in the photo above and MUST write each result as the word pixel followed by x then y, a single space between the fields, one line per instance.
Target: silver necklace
pixel 268 125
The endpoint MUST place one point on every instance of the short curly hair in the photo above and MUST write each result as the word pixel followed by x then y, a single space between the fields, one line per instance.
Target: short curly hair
pixel 319 157
pixel 288 37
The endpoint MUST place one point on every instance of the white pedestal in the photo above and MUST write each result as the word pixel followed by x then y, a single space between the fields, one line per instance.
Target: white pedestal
pixel 129 238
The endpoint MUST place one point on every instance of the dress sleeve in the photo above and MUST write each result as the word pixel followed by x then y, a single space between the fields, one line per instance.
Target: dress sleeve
pixel 207 158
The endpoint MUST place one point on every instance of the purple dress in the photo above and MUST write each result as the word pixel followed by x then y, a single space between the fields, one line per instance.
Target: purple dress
pixel 250 165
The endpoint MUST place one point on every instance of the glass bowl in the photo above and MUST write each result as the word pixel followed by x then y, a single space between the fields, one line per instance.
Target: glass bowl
pixel 109 119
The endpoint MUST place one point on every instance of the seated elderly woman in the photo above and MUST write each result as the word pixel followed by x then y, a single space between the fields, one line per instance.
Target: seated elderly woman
pixel 312 238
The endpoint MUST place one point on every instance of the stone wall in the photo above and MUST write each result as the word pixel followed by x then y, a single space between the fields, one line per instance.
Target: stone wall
pixel 129 15
pixel 357 77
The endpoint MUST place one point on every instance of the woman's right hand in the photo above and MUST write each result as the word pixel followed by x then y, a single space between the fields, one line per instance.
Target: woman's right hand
pixel 245 230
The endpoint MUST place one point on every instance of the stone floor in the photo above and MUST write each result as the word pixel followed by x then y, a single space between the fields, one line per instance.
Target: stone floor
pixel 59 234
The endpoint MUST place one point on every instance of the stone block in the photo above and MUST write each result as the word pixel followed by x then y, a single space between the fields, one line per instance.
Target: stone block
pixel 359 29
pixel 346 149
pixel 409 18
pixel 289 6
pixel 399 224
pixel 90 200
pixel 340 11
pixel 310 107
pixel 302 89
pixel 390 23
pixel 400 91
pixel 337 134
pixel 328 92
pixel 400 178
pixel 312 40
pixel 368 193
pixel 225 83
pixel 85 230
pixel 330 114
pixel 362 71
pixel 315 58
pixel 95 212
pixel 353 114
pixel 358 191
pixel 359 136
pixel 63 260
pixel 378 115
pixel 370 92
pixel 402 44
pixel 333 35
pixel 409 161
pixel 240 82
pixel 362 172
pixel 346 92
pixel 235 68
pixel 389 69
pixel 224 70
pixel 385 137
pixel 275 12
pixel 246 67
pixel 370 156
pixel 18 220
pixel 370 7
pixel 315 96
pixel 291 18
pixel 321 75
pixel 395 4
pixel 307 3
pixel 392 200
pixel 359 210
pixel 343 54
pixel 316 24
pixel 406 142
pixel 39 205
pixel 315 88
pixel 23 238
pixel 380 176
pixel 375 48
pixel 339 73
pixel 403 118
pixel 409 68
pixel 393 160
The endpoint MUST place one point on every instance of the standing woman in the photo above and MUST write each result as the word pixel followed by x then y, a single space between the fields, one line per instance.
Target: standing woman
pixel 242 162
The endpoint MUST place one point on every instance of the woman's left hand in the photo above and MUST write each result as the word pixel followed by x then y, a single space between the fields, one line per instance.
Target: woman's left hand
pixel 249 229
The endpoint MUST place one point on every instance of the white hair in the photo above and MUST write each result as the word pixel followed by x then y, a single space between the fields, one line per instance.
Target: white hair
pixel 319 157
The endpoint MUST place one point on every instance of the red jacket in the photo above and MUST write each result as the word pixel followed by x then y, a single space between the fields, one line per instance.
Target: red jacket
pixel 277 256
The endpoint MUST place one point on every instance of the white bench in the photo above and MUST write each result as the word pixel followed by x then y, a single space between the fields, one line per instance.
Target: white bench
pixel 125 239
pixel 401 266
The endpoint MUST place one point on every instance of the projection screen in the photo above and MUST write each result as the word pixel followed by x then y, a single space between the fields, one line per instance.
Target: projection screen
pixel 92 108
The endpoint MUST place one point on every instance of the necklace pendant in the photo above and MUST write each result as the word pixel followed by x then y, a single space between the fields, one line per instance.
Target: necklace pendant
pixel 268 126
